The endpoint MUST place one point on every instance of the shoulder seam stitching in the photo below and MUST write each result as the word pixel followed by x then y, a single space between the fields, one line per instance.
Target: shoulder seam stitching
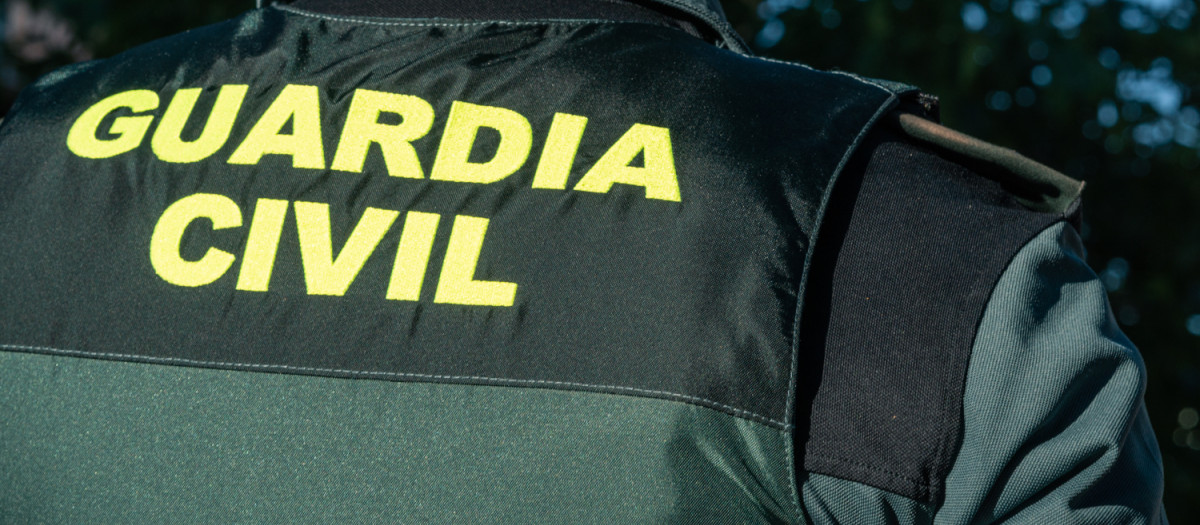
pixel 815 70
pixel 795 353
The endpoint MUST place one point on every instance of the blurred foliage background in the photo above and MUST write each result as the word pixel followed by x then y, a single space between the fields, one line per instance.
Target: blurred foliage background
pixel 1100 89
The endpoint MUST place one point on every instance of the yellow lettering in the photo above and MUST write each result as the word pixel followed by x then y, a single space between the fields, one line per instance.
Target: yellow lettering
pixel 562 143
pixel 363 127
pixel 457 284
pixel 167 143
pixel 130 131
pixel 462 126
pixel 302 106
pixel 412 257
pixel 262 244
pixel 324 274
pixel 657 175
pixel 168 234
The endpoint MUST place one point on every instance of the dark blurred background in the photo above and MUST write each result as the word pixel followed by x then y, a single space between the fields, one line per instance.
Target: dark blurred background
pixel 1100 89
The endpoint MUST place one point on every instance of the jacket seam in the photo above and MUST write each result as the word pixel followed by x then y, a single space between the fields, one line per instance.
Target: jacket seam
pixel 367 374
pixel 790 449
pixel 923 484
pixel 717 23
pixel 821 210
pixel 793 371
pixel 446 23
pixel 815 70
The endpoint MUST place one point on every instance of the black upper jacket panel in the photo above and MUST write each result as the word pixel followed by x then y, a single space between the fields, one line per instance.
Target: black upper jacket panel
pixel 606 272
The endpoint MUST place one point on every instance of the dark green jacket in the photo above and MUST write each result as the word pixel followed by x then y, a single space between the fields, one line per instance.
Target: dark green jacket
pixel 301 266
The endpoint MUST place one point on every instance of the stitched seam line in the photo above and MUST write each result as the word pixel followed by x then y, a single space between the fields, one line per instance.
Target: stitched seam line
pixel 810 68
pixel 920 483
pixel 822 210
pixel 708 403
pixel 410 23
pixel 716 23
pixel 793 478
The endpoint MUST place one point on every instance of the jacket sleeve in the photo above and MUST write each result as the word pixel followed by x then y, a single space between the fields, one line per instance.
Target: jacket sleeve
pixel 1055 427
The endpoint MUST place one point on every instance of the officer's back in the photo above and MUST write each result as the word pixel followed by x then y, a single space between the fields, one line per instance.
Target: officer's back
pixel 311 265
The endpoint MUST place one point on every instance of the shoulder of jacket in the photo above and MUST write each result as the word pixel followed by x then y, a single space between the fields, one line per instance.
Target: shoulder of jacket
pixel 1036 186
pixel 915 116
pixel 922 225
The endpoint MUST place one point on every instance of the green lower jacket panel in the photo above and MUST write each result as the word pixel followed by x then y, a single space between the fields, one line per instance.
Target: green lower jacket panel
pixel 97 441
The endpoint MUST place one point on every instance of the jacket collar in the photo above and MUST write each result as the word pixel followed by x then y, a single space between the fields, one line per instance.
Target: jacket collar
pixel 707 14
pixel 710 14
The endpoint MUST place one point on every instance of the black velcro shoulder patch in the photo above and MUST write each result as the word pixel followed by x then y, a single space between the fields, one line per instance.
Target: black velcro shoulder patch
pixel 909 255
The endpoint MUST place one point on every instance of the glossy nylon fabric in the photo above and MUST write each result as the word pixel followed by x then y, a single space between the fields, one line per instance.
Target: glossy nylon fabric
pixel 691 300
pixel 708 13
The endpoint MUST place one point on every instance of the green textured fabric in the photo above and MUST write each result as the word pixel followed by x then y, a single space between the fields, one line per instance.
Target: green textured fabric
pixel 829 500
pixel 90 441
pixel 1055 427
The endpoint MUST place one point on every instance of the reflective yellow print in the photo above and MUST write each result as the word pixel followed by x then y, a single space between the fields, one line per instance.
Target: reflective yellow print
pixel 457 285
pixel 657 175
pixel 412 256
pixel 462 126
pixel 168 145
pixel 168 233
pixel 395 126
pixel 299 106
pixel 129 131
pixel 327 273
pixel 363 128
pixel 263 242
pixel 562 143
